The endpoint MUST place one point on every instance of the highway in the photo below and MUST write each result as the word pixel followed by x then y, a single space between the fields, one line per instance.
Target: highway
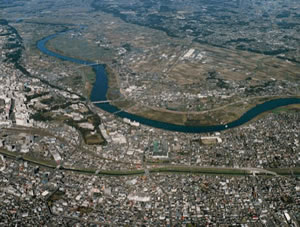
pixel 175 169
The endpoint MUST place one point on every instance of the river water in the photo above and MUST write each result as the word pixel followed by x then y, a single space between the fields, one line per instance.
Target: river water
pixel 101 86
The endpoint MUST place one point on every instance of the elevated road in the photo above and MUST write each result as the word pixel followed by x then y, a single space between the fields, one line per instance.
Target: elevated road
pixel 161 169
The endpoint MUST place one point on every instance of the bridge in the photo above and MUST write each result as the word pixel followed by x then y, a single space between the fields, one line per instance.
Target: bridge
pixel 104 101
pixel 87 65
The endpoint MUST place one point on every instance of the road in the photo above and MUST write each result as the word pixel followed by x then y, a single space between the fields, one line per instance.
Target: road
pixel 162 169
pixel 220 107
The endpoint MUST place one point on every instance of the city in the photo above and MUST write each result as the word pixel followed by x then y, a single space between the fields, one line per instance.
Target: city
pixel 66 162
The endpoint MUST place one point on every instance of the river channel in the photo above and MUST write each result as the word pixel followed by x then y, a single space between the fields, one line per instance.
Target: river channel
pixel 101 86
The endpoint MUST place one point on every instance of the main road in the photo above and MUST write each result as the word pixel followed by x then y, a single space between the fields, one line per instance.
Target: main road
pixel 154 169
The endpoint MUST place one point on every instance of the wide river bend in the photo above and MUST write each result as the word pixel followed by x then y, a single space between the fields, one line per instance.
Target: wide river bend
pixel 101 86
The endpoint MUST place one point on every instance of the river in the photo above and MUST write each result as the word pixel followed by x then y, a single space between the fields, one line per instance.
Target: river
pixel 101 86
